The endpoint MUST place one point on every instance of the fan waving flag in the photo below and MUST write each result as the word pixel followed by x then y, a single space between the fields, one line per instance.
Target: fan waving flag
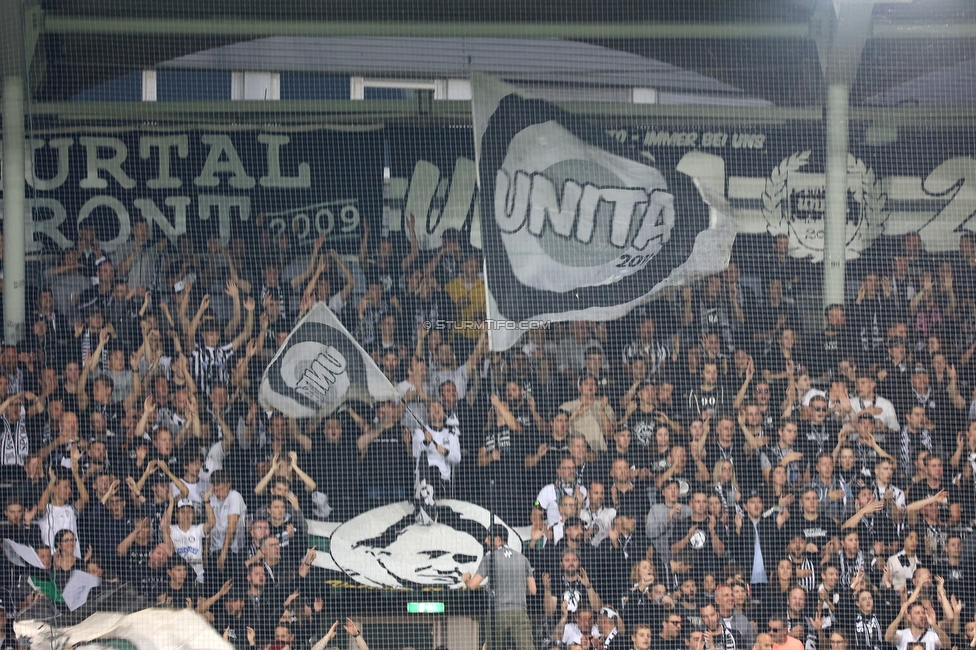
pixel 320 367
pixel 576 225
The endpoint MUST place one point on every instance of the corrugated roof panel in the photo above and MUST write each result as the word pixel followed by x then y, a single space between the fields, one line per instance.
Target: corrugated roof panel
pixel 512 59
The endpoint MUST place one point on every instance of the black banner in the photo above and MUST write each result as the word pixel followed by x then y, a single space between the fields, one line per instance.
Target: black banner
pixel 203 183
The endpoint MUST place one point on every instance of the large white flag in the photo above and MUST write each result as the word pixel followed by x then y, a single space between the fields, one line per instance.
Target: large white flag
pixel 320 367
pixel 576 225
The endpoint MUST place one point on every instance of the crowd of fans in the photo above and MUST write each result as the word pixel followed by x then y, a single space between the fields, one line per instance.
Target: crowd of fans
pixel 708 472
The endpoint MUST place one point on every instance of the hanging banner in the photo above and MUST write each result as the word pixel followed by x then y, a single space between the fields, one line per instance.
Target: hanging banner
pixel 919 180
pixel 433 178
pixel 207 184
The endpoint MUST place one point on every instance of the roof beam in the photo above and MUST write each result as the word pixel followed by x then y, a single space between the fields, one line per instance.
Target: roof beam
pixel 297 114
pixel 54 24
pixel 262 28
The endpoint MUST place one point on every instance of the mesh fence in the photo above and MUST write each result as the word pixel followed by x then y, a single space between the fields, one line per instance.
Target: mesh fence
pixel 389 342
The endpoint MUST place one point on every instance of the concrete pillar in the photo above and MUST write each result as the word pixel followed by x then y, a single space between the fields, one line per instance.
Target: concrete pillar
pixel 835 217
pixel 13 67
pixel 13 209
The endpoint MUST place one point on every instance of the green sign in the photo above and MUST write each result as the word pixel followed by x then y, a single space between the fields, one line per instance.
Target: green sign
pixel 425 608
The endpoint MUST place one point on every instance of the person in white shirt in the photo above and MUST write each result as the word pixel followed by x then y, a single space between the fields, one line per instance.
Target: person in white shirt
pixel 55 511
pixel 597 517
pixel 437 448
pixel 184 538
pixel 564 485
pixel 229 534
pixel 866 400
pixel 923 628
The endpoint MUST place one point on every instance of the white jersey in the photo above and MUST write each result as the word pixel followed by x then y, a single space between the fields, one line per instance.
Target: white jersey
pixel 57 518
pixel 189 546
pixel 232 505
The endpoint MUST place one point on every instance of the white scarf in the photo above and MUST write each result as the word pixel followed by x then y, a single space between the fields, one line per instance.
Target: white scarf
pixel 14 443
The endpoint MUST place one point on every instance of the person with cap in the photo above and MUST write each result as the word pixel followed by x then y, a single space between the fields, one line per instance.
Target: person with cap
pixel 938 409
pixel 511 582
pixel 608 634
pixel 184 537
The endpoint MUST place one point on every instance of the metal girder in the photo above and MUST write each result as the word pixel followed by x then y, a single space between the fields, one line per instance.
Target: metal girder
pixel 343 113
pixel 681 30
pixel 261 28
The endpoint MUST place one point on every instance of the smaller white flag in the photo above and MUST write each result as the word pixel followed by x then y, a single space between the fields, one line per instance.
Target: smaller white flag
pixel 319 367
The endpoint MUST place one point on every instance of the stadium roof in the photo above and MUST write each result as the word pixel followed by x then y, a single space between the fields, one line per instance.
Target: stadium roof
pixel 770 49
pixel 535 61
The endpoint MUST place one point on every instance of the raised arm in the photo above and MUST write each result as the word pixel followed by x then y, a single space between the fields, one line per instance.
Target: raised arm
pixel 744 388
pixel 350 282
pixel 245 334
pixel 234 292
pixel 299 279
pixel 79 482
pixel 306 480
pixel 90 365
pixel 263 483
pixel 411 257
pixel 506 414
pixel 164 524
pixel 190 335
pixel 204 605
pixel 873 506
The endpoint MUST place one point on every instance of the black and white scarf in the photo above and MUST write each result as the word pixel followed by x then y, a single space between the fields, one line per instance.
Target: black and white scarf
pixel 14 443
pixel 867 632
pixel 849 567
pixel 908 446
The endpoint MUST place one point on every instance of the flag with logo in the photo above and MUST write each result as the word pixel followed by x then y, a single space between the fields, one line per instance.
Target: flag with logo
pixel 576 224
pixel 319 368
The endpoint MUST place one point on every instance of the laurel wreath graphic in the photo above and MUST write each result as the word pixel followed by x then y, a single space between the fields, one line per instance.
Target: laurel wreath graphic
pixel 868 193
